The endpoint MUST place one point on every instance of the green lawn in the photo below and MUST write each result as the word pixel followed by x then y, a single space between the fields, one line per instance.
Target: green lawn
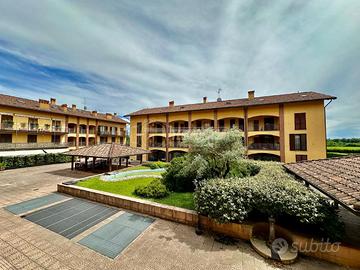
pixel 127 187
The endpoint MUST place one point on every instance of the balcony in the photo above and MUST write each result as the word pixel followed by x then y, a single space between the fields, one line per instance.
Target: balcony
pixel 157 144
pixel 157 130
pixel 264 146
pixel 176 144
pixel 266 127
pixel 104 132
pixel 27 146
pixel 7 126
pixel 179 129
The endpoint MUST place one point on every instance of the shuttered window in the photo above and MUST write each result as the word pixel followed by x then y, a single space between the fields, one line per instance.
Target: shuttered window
pixel 300 121
pixel 298 142
pixel 138 141
pixel 139 128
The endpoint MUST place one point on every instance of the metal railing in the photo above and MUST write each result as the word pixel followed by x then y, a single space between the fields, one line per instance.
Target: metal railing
pixel 71 130
pixel 176 144
pixel 155 144
pixel 264 146
pixel 24 146
pixel 157 130
pixel 266 127
pixel 31 127
pixel 178 129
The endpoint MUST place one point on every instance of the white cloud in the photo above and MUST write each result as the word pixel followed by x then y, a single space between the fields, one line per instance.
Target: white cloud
pixel 146 53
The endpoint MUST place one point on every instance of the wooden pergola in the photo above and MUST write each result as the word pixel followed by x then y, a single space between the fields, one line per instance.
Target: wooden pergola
pixel 108 151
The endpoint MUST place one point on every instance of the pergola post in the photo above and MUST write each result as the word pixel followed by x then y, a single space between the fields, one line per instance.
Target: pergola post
pixel 72 162
pixel 86 163
pixel 93 164
pixel 141 159
pixel 127 161
pixel 110 164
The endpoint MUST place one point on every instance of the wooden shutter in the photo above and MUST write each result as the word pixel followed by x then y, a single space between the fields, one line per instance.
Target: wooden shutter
pixel 303 142
pixel 300 121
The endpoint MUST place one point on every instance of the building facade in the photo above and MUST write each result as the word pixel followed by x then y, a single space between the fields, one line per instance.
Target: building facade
pixel 287 128
pixel 28 125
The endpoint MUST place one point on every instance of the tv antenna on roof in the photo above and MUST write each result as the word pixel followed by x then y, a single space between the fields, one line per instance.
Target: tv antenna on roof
pixel 85 108
pixel 219 92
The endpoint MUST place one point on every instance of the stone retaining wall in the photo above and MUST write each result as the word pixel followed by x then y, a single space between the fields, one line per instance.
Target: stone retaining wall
pixel 346 255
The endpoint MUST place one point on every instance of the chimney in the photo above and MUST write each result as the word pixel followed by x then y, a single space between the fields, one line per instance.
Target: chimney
pixel 251 94
pixel 204 99
pixel 64 107
pixel 115 114
pixel 94 113
pixel 44 104
pixel 73 107
pixel 52 101
pixel 108 116
pixel 171 103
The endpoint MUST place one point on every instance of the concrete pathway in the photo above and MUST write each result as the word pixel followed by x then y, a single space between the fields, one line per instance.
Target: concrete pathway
pixel 164 245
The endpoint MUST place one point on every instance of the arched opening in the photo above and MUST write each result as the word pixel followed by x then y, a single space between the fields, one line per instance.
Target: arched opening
pixel 176 142
pixel 157 155
pixel 157 141
pixel 232 122
pixel 265 157
pixel 174 154
pixel 202 124
pixel 264 123
pixel 157 127
pixel 179 126
pixel 264 142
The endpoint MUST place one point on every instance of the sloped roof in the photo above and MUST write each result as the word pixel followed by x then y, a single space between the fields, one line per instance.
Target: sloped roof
pixel 107 150
pixel 29 104
pixel 245 102
pixel 339 178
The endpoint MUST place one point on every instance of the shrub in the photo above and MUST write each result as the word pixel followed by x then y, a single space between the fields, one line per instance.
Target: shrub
pixel 156 165
pixel 155 189
pixel 2 166
pixel 272 192
pixel 33 160
pixel 175 178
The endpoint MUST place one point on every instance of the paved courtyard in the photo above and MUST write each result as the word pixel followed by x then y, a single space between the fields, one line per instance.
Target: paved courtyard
pixel 164 245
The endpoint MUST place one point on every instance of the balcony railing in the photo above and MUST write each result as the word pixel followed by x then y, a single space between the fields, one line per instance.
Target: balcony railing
pixel 178 129
pixel 103 132
pixel 266 127
pixel 24 146
pixel 156 144
pixel 82 131
pixel 264 146
pixel 71 130
pixel 176 144
pixel 157 130
pixel 32 127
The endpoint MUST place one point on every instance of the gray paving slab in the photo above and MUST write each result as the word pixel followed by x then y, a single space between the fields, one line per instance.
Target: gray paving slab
pixel 32 204
pixel 111 239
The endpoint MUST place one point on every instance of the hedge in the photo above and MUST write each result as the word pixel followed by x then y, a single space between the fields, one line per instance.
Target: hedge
pixel 15 162
pixel 343 149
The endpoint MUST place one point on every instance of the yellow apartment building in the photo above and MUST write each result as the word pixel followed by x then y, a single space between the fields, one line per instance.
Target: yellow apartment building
pixel 27 125
pixel 287 128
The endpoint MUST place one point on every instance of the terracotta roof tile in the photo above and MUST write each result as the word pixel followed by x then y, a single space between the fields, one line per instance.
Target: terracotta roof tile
pixel 338 178
pixel 18 102
pixel 245 102
pixel 107 150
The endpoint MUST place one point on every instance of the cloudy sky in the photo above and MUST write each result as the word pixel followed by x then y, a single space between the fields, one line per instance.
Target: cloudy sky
pixel 121 56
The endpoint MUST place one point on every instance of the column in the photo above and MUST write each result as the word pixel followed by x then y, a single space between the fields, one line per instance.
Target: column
pixel 282 132
pixel 246 126
pixel 77 132
pixel 87 132
pixel 167 138
pixel 215 120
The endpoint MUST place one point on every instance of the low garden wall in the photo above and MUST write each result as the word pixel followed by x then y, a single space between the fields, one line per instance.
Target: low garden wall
pixel 344 255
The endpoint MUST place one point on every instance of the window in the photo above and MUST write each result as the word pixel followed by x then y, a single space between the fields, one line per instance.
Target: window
pixel 113 139
pixel 301 158
pixel 298 142
pixel 138 141
pixel 300 121
pixel 6 138
pixel 55 138
pixel 103 140
pixel 139 128
pixel 32 138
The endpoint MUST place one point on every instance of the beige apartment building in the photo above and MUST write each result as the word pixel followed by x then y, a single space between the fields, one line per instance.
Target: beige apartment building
pixel 28 125
pixel 287 128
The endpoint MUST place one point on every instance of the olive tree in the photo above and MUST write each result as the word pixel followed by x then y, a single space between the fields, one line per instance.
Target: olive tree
pixel 213 154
